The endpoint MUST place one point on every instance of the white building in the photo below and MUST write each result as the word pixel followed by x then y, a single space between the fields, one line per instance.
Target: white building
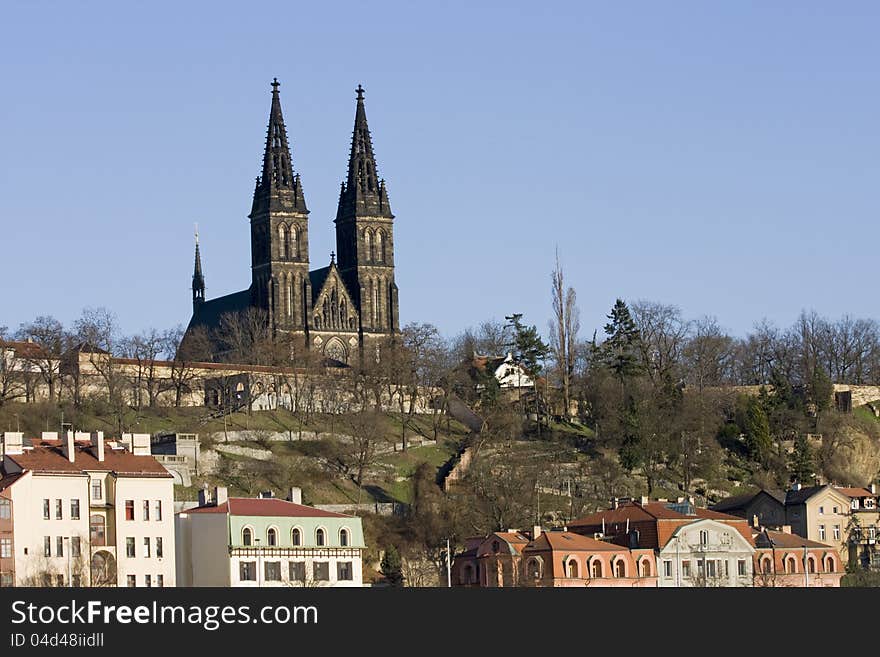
pixel 87 511
pixel 264 542
pixel 706 553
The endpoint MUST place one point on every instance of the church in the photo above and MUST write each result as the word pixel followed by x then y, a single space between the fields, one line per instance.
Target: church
pixel 337 309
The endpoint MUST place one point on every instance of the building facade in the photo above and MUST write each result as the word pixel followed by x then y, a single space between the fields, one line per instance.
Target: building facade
pixel 784 559
pixel 333 310
pixel 89 512
pixel 267 542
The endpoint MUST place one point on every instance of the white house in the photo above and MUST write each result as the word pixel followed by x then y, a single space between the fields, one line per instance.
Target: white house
pixel 87 511
pixel 706 552
pixel 265 542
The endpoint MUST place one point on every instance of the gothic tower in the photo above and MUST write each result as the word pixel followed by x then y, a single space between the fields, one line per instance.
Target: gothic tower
pixel 364 235
pixel 279 232
pixel 198 285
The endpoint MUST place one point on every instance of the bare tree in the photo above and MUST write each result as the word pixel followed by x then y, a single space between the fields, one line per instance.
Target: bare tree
pixel 145 349
pixel 186 351
pixel 51 341
pixel 11 381
pixel 664 333
pixel 564 328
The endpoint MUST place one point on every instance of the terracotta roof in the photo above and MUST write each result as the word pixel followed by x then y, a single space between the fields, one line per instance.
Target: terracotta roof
pixel 8 480
pixel 855 492
pixel 568 542
pixel 515 542
pixel 770 538
pixel 634 511
pixel 24 349
pixel 271 506
pixel 47 457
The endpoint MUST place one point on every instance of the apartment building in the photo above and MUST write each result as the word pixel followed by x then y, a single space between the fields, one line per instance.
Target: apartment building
pixel 266 542
pixel 86 511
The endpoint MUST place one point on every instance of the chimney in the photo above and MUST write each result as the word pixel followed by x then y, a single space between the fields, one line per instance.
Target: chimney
pixel 755 521
pixel 536 531
pixel 615 503
pixel 49 435
pixel 204 496
pixel 67 446
pixel 12 443
pixel 786 529
pixel 643 500
pixel 295 495
pixel 97 440
pixel 221 495
pixel 873 488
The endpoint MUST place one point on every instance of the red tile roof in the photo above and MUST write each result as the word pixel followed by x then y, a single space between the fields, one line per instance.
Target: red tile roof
pixel 855 492
pixel 24 349
pixel 250 506
pixel 786 540
pixel 567 542
pixel 634 512
pixel 8 480
pixel 47 457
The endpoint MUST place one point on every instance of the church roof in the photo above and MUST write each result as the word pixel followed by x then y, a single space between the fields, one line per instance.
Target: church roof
pixel 317 278
pixel 208 314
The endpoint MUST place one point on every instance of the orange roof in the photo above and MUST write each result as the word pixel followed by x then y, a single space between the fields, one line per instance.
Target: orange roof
pixel 786 540
pixel 855 492
pixel 24 349
pixel 568 542
pixel 268 506
pixel 47 457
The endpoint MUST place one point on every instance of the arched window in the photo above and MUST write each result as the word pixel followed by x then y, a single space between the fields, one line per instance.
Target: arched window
pixel 343 537
pixel 272 537
pixel 247 536
pixel 766 566
pixel 283 243
pixel 572 567
pixel 533 568
pixel 296 536
pixel 790 564
pixel 646 568
pixel 596 568
pixel 620 568
pixel 468 575
pixel 380 245
pixel 368 244
pixel 319 537
pixel 811 565
pixel 829 564
pixel 293 249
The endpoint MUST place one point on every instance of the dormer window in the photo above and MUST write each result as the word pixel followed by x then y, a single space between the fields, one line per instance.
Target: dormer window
pixel 869 503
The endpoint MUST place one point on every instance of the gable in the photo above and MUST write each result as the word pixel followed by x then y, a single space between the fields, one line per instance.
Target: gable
pixel 333 307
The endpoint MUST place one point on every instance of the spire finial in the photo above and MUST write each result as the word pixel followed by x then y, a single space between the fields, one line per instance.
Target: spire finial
pixel 275 85
pixel 197 233
pixel 333 257
pixel 360 92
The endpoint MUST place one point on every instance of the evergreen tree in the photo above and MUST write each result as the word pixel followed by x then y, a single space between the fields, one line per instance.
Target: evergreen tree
pixel 756 427
pixel 802 463
pixel 620 349
pixel 531 350
pixel 392 567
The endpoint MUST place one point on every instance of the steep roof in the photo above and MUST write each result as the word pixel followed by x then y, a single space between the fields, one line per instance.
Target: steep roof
pixel 271 506
pixel 46 457
pixel 208 314
pixel 7 480
pixel 568 542
pixel 801 496
pixel 741 501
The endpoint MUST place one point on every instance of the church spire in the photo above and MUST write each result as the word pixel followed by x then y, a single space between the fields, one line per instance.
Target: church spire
pixel 362 192
pixel 278 178
pixel 198 283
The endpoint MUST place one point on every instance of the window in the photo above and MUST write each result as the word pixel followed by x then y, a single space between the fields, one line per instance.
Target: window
pixel 343 537
pixel 704 537
pixel 533 569
pixel 321 571
pixel 741 567
pixel 645 568
pixel 869 504
pixel 596 568
pixel 160 581
pixel 836 532
pixel 129 509
pixel 247 571
pixel 710 569
pixel 854 504
pixel 811 565
pixel 158 547
pixel 74 509
pixel 272 571
pixel 686 568
pixel 667 568
pixel 59 580
pixel 77 580
pixel 47 546
pixel 5 579
pixel 343 571
pixel 47 580
pixel 59 546
pixel 726 568
pixel 821 510
pixel 157 511
pixel 131 580
pixel 148 581
pixel 247 536
pixel 129 547
pixel 5 509
pixel 5 548
pixel 146 509
pixel 59 514
pixel 620 568
pixel 766 566
pixel 296 536
pixel 834 509
pixel 146 547
pixel 319 537
pixel 97 492
pixel 297 571
pixel 821 532
pixel 272 537
pixel 96 530
pixel 75 547
pixel 572 568
pixel 45 509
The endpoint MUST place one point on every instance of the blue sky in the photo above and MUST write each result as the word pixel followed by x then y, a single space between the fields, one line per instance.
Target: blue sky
pixel 722 157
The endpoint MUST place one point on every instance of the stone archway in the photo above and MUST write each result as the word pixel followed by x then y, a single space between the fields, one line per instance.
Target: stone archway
pixel 336 350
pixel 103 569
